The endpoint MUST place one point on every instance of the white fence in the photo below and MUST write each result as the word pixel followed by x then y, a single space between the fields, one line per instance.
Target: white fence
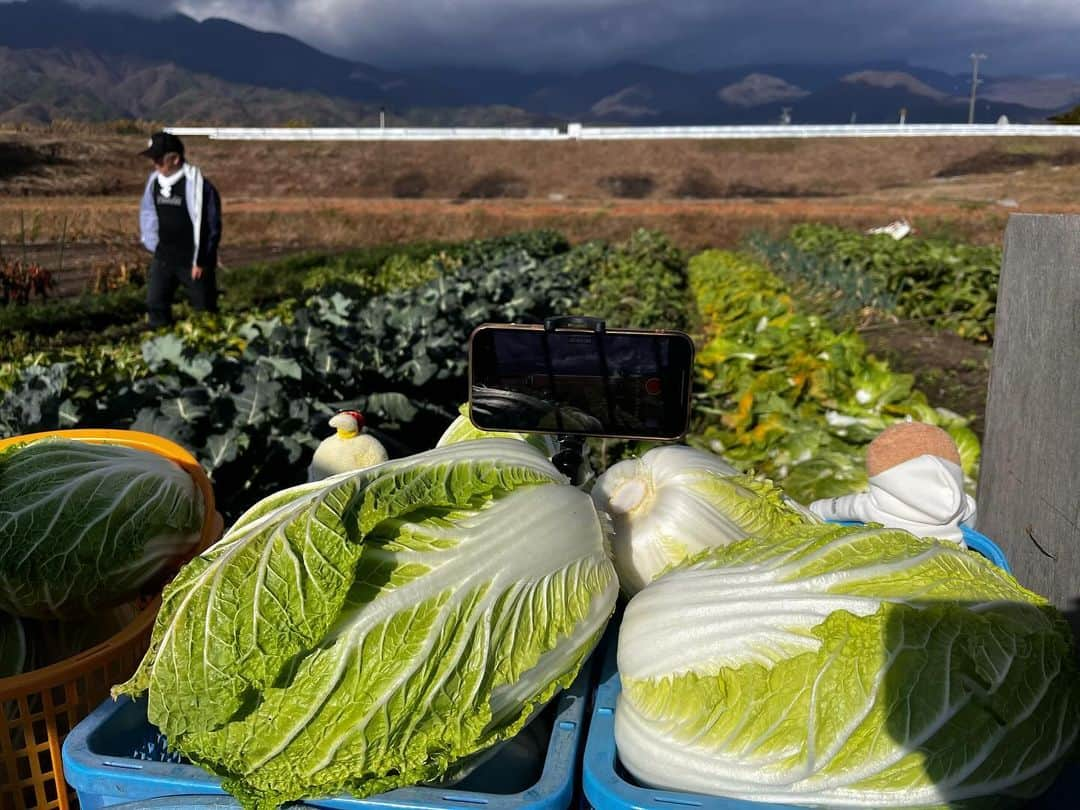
pixel 371 134
pixel 593 133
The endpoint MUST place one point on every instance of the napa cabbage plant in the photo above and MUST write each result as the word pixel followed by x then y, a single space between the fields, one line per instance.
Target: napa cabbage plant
pixel 676 501
pixel 85 526
pixel 373 629
pixel 846 667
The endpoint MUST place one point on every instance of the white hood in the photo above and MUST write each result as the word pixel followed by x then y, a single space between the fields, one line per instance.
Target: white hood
pixel 923 495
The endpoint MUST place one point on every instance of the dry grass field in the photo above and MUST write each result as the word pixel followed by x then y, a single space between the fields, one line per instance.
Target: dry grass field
pixel 703 192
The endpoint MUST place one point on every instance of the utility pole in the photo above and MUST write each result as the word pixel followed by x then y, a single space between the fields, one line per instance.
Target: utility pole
pixel 975 57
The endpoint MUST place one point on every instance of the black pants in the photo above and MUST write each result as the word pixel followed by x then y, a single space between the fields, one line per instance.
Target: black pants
pixel 165 277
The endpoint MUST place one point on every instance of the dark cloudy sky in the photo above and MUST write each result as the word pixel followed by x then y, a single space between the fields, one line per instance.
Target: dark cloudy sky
pixel 1021 36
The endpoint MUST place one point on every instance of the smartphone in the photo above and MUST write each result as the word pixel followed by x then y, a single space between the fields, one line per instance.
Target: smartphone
pixel 624 383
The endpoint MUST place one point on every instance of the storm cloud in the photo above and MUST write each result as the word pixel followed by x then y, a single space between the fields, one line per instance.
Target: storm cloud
pixel 1021 36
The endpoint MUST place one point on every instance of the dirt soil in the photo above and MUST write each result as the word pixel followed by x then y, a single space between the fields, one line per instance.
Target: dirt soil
pixel 283 198
pixel 84 266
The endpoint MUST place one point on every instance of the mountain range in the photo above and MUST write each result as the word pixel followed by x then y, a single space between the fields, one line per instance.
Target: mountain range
pixel 59 60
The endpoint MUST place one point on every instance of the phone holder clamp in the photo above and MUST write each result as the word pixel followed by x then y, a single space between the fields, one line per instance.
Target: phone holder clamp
pixel 570 457
pixel 596 325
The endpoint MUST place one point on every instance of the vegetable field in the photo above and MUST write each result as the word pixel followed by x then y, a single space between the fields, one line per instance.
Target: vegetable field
pixel 365 627
pixel 786 386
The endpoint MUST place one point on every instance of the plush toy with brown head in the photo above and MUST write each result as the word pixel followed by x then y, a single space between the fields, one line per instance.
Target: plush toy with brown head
pixel 916 483
pixel 906 440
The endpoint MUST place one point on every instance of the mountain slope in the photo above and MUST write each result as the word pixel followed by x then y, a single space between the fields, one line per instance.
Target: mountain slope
pixel 877 97
pixel 215 47
pixel 756 89
pixel 1049 93
pixel 44 85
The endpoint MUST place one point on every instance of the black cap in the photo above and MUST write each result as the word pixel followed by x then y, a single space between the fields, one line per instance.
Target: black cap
pixel 161 143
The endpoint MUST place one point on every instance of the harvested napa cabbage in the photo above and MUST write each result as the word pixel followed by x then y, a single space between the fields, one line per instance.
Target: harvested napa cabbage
pixel 370 630
pixel 84 526
pixel 675 501
pixel 846 667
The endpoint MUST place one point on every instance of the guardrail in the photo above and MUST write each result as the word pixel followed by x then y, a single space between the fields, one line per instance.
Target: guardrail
pixel 600 133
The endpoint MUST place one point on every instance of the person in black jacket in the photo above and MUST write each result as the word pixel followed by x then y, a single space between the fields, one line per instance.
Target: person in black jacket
pixel 180 223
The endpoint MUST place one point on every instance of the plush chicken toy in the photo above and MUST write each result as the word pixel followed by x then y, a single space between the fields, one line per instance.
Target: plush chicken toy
pixel 916 484
pixel 349 449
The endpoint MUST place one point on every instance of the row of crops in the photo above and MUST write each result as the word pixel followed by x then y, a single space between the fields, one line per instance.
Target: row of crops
pixel 939 282
pixel 784 387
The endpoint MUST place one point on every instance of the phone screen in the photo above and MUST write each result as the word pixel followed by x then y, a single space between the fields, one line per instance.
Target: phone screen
pixel 576 382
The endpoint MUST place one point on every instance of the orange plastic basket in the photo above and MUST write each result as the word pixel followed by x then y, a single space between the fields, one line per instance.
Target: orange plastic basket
pixel 39 708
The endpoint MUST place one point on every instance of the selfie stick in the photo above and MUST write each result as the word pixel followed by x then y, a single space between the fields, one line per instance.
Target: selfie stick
pixel 569 458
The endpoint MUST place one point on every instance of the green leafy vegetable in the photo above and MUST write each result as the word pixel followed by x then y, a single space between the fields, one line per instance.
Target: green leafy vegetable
pixel 782 394
pixel 639 283
pixel 846 667
pixel 246 397
pixel 948 284
pixel 85 525
pixel 373 629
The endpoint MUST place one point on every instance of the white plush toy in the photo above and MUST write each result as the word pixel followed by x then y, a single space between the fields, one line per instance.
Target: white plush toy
pixel 916 484
pixel 349 449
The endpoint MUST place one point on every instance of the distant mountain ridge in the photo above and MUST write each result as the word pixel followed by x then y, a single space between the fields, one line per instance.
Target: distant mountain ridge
pixel 63 61
pixel 44 85
pixel 756 89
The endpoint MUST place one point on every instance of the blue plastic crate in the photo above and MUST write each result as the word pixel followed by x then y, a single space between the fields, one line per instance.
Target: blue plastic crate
pixel 99 763
pixel 985 546
pixel 608 786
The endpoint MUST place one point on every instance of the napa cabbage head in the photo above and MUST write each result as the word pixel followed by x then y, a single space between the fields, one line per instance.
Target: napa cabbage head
pixel 373 629
pixel 846 667
pixel 86 526
pixel 675 501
